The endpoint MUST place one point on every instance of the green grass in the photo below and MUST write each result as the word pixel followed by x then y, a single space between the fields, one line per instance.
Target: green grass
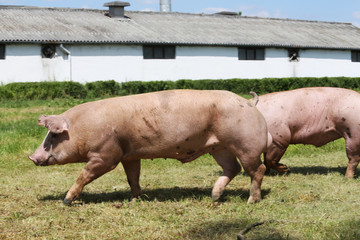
pixel 314 201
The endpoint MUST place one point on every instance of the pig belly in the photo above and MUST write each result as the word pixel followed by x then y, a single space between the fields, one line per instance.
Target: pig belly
pixel 184 151
pixel 316 138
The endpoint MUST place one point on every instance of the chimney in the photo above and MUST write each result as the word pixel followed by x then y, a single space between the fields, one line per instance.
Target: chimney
pixel 116 8
pixel 165 5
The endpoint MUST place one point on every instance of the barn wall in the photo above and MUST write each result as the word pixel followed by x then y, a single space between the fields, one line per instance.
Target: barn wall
pixel 24 63
pixel 125 63
pixel 106 62
pixel 320 63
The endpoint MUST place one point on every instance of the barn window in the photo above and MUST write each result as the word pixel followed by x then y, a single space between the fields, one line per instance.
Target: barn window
pixel 355 56
pixel 251 53
pixel 159 52
pixel 2 51
pixel 48 50
pixel 293 55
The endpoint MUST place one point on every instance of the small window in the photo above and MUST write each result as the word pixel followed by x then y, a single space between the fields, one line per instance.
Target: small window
pixel 355 56
pixel 293 55
pixel 2 51
pixel 251 53
pixel 159 52
pixel 169 53
pixel 48 51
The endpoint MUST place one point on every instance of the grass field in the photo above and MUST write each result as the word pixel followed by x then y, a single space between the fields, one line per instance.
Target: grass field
pixel 314 201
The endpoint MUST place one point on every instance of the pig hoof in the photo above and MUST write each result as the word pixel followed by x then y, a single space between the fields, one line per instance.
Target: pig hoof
pixel 134 199
pixel 67 201
pixel 215 196
pixel 282 168
pixel 252 200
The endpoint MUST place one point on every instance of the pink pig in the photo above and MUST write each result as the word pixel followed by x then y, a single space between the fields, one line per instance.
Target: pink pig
pixel 313 116
pixel 179 124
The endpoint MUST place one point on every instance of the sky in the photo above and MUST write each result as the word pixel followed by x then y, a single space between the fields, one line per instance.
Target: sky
pixel 318 10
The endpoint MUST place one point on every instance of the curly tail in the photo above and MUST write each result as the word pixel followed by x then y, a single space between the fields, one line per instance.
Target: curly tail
pixel 255 98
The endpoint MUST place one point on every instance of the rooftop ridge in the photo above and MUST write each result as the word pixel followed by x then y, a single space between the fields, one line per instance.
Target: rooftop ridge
pixel 167 13
pixel 22 7
pixel 238 16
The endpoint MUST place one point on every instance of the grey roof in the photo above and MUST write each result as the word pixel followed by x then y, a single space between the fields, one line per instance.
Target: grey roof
pixel 66 25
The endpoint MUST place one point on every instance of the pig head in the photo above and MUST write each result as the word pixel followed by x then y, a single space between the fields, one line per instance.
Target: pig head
pixel 52 149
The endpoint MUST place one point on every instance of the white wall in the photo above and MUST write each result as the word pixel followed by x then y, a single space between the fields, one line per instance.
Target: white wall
pixel 313 63
pixel 125 63
pixel 24 63
pixel 109 62
pixel 319 63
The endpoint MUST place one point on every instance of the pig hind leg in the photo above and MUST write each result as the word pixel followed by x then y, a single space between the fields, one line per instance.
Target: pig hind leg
pixel 254 167
pixel 353 154
pixel 273 156
pixel 231 168
pixel 132 170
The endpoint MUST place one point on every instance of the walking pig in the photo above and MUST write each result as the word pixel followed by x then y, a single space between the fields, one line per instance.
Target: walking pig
pixel 314 116
pixel 179 124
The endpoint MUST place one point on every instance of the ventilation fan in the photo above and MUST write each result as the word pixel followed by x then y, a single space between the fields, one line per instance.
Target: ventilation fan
pixel 48 51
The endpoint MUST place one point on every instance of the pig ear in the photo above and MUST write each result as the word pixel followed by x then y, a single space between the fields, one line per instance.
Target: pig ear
pixel 55 124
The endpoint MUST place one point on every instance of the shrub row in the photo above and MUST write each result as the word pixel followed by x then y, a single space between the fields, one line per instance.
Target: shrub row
pixel 242 86
pixel 42 90
pixel 51 90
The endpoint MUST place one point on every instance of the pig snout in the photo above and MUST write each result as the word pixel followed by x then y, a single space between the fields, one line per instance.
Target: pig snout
pixel 40 158
pixel 32 158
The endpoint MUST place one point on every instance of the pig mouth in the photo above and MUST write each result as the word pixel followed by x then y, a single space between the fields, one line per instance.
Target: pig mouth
pixel 45 162
pixel 50 161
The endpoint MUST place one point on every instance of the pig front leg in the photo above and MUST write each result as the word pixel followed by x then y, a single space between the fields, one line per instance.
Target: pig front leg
pixel 94 168
pixel 132 170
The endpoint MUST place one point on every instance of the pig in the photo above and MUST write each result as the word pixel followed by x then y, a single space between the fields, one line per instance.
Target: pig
pixel 178 124
pixel 316 116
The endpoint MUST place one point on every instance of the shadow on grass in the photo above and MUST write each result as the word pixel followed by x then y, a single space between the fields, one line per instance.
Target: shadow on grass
pixel 161 194
pixel 320 170
pixel 229 229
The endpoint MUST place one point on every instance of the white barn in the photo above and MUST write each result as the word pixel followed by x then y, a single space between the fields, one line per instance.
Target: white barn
pixel 83 45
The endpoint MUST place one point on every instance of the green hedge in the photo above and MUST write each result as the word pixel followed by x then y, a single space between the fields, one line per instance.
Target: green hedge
pixel 99 89
pixel 242 86
pixel 102 89
pixel 42 90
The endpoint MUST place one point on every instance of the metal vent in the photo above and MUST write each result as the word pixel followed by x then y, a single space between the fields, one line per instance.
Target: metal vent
pixel 48 51
pixel 116 8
